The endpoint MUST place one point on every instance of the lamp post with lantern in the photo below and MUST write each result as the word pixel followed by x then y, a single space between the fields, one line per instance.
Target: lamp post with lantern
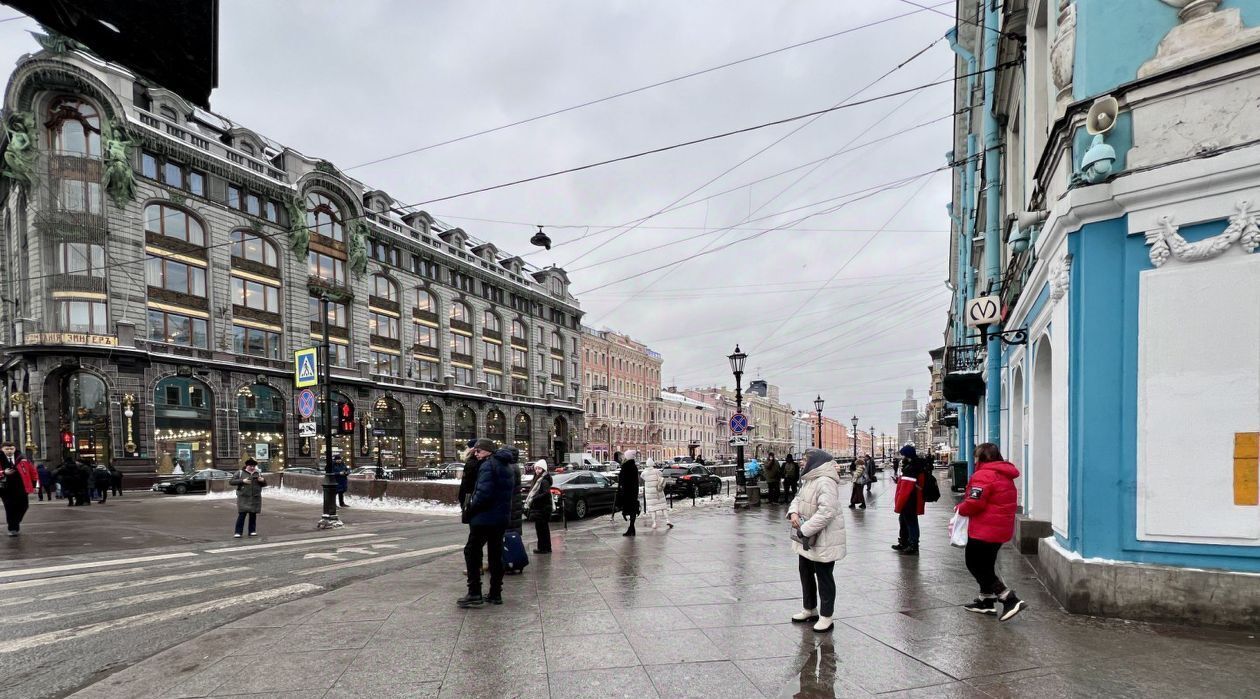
pixel 737 359
pixel 818 406
pixel 854 421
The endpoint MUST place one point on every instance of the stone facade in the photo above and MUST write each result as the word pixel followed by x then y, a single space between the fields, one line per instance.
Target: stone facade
pixel 688 426
pixel 182 302
pixel 623 394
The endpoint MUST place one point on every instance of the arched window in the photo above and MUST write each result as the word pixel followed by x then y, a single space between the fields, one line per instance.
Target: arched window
pixel 425 301
pixel 465 425
pixel 460 312
pixel 496 426
pixel 323 217
pixel 387 431
pixel 429 433
pixel 261 411
pixel 383 287
pixel 74 127
pixel 85 416
pixel 521 435
pixel 183 412
pixel 491 322
pixel 171 222
pixel 248 246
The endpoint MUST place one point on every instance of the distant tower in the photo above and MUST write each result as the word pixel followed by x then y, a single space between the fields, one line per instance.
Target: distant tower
pixel 909 413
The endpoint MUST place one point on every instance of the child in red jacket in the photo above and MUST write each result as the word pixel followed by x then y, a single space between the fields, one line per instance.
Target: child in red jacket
pixel 990 501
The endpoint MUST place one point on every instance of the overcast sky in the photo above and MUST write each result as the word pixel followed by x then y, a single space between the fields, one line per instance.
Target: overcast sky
pixel 356 81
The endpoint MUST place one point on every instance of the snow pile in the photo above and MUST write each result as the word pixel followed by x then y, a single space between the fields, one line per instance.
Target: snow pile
pixel 385 504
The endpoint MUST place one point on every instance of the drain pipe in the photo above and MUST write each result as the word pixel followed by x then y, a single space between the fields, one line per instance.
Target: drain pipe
pixel 993 219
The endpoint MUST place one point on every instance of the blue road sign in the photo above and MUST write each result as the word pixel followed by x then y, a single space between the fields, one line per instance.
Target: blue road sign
pixel 306 403
pixel 305 372
pixel 739 423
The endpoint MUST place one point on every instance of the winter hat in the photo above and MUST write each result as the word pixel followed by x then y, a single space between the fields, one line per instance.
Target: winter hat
pixel 485 445
pixel 815 458
pixel 541 463
pixel 909 452
pixel 630 455
pixel 650 463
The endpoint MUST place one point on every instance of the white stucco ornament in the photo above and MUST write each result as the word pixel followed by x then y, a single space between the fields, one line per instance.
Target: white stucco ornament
pixel 1060 277
pixel 1204 30
pixel 1166 242
pixel 1063 55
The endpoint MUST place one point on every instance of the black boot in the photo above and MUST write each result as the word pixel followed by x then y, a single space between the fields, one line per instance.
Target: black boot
pixel 472 600
pixel 899 546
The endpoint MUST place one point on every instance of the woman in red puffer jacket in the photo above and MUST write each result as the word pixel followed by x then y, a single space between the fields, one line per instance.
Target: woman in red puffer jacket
pixel 990 502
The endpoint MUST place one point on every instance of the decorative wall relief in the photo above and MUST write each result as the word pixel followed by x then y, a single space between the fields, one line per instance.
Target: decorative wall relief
pixel 357 248
pixel 1063 55
pixel 119 180
pixel 1167 243
pixel 299 234
pixel 19 154
pixel 1204 30
pixel 1060 277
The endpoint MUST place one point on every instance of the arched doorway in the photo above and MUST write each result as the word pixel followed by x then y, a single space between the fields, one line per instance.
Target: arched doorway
pixel 429 434
pixel 343 427
pixel 465 426
pixel 387 431
pixel 85 417
pixel 522 429
pixel 496 427
pixel 183 421
pixel 559 439
pixel 260 411
pixel 1017 416
pixel 1041 460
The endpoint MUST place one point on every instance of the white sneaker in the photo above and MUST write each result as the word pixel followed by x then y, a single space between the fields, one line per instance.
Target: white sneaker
pixel 253 533
pixel 805 615
pixel 236 536
pixel 824 624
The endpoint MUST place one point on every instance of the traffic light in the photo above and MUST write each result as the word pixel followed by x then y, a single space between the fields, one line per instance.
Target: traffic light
pixel 67 439
pixel 347 419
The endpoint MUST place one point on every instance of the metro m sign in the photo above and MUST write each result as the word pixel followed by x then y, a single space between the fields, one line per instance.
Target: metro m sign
pixel 986 310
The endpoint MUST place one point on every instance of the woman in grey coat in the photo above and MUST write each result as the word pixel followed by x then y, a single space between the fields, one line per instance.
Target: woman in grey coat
pixel 249 484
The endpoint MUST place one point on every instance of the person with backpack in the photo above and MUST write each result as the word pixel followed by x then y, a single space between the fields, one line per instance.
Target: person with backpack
pixel 791 475
pixel 249 484
pixel 911 494
pixel 990 502
pixel 774 475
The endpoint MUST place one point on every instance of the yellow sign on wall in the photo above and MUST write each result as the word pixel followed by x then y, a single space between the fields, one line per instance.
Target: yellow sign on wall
pixel 1247 468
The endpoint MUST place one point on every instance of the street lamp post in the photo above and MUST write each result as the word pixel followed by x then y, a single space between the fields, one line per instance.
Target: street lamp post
pixel 737 360
pixel 329 519
pixel 818 406
pixel 855 429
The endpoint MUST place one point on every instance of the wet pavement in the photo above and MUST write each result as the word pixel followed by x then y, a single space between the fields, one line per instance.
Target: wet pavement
pixel 697 611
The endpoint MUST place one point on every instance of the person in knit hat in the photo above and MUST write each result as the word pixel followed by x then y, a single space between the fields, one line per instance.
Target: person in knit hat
pixel 538 502
pixel 908 501
pixel 654 493
pixel 818 537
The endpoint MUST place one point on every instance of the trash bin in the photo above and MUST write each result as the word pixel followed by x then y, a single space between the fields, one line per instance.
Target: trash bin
pixel 958 475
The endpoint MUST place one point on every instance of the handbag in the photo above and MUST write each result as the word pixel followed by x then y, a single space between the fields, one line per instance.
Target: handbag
pixel 805 541
pixel 958 530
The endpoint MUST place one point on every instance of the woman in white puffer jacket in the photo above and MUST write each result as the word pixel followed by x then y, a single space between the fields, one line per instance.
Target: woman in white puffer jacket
pixel 818 536
pixel 654 492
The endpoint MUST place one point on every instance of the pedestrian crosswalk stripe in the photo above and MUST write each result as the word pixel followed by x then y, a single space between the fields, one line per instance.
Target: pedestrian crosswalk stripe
pixel 92 564
pixel 379 559
pixel 17 644
pixel 300 542
pixel 143 598
pixel 110 587
pixel 62 579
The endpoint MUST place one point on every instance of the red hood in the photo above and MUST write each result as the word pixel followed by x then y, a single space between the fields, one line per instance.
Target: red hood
pixel 1005 468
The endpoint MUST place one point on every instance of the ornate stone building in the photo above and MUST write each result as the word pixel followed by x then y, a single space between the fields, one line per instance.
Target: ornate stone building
pixel 161 264
pixel 688 426
pixel 623 393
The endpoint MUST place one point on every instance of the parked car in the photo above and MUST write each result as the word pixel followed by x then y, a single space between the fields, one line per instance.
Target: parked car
pixel 304 470
pixel 582 492
pixel 370 472
pixel 196 482
pixel 686 480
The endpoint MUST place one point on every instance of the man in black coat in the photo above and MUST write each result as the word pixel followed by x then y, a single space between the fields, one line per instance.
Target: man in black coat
pixel 468 481
pixel 628 489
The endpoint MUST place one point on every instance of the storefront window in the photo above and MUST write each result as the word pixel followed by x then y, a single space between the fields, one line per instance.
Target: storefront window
pixel 184 425
pixel 521 435
pixel 496 427
pixel 261 411
pixel 429 434
pixel 87 417
pixel 387 431
pixel 465 426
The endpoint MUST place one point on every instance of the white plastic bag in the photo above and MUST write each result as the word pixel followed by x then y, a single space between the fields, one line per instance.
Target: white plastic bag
pixel 958 530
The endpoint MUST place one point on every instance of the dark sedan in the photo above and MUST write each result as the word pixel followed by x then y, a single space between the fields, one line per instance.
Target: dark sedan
pixel 582 492
pixel 196 482
pixel 687 480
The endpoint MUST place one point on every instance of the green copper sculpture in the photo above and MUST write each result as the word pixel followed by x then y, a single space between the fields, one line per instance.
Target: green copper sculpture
pixel 19 154
pixel 358 247
pixel 119 180
pixel 299 234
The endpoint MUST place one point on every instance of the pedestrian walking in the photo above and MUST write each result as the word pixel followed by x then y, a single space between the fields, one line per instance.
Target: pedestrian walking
pixel 774 476
pixel 249 484
pixel 341 473
pixel 17 482
pixel 908 501
pixel 870 472
pixel 791 474
pixel 990 503
pixel 115 481
pixel 102 479
pixel 539 503
pixel 489 511
pixel 47 482
pixel 857 498
pixel 818 538
pixel 628 489
pixel 654 493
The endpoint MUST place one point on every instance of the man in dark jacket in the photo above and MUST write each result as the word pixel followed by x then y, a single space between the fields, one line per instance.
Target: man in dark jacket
pixel 341 474
pixel 517 520
pixel 774 474
pixel 791 475
pixel 489 511
pixel 468 480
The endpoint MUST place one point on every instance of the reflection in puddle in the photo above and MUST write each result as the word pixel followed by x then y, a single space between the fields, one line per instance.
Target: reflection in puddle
pixel 818 676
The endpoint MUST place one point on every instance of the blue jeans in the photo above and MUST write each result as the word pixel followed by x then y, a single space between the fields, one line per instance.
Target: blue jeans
pixel 240 521
pixel 909 520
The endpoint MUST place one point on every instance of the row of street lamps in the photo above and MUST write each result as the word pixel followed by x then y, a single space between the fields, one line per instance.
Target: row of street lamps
pixel 818 407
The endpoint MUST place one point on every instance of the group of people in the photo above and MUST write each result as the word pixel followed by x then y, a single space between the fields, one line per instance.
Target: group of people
pixel 787 473
pixel 629 477
pixel 78 482
pixel 818 533
pixel 491 504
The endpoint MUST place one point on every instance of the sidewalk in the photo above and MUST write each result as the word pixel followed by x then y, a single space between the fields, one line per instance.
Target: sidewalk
pixel 697 611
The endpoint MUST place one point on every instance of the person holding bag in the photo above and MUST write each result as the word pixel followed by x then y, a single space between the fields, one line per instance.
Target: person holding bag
pixel 990 503
pixel 249 484
pixel 654 493
pixel 818 537
pixel 858 498
pixel 539 504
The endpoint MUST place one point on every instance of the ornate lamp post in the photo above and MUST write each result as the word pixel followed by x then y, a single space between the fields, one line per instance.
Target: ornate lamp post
pixel 818 406
pixel 737 360
pixel 855 428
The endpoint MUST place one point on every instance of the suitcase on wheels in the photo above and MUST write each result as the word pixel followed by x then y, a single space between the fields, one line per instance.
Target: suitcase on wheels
pixel 514 556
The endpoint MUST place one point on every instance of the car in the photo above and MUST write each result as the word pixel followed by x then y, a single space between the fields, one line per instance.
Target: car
pixel 196 482
pixel 305 470
pixel 580 493
pixel 690 480
pixel 370 472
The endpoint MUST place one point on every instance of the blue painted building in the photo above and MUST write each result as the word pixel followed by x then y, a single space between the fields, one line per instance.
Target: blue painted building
pixel 1107 195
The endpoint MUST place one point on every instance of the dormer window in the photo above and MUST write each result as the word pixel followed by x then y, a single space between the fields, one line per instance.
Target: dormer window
pixel 168 113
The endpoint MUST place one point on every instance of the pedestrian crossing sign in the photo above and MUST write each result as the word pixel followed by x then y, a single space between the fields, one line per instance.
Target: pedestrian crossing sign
pixel 305 362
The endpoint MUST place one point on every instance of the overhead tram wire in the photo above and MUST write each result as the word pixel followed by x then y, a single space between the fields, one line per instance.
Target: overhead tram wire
pixel 774 143
pixel 972 22
pixel 637 90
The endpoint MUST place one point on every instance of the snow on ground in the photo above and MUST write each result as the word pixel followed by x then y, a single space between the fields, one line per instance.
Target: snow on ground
pixel 386 504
